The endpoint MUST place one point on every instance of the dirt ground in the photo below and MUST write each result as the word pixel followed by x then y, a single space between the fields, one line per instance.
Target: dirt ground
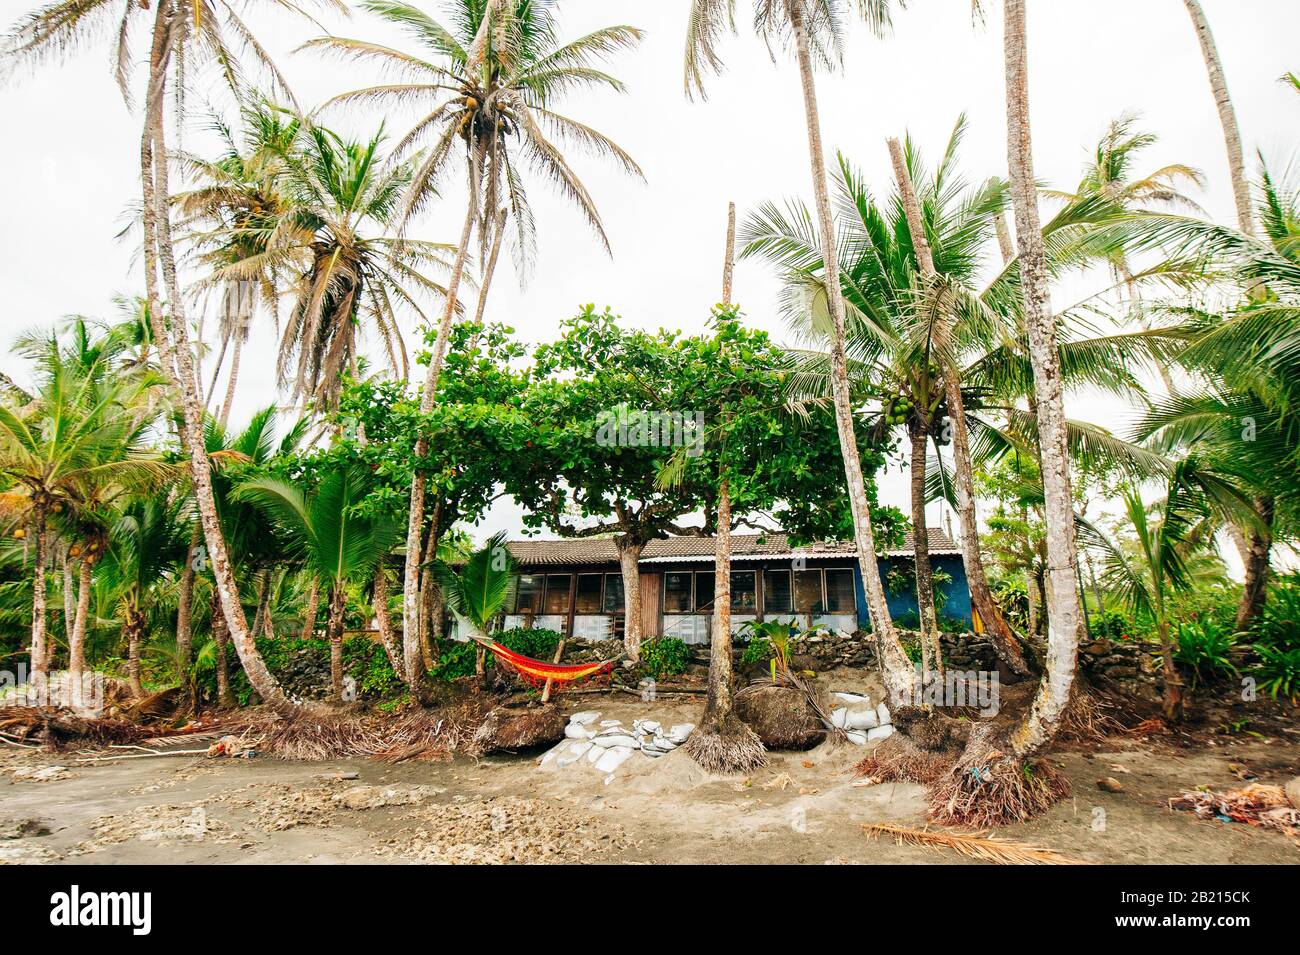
pixel 802 808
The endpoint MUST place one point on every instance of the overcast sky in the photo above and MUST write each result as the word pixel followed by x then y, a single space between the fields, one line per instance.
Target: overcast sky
pixel 71 151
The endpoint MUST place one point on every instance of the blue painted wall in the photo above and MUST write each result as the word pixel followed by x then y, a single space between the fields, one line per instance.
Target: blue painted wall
pixel 956 600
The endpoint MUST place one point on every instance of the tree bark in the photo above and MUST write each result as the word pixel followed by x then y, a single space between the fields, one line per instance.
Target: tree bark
pixel 185 608
pixel 718 702
pixel 415 675
pixel 385 620
pixel 931 653
pixel 338 603
pixel 69 593
pixel 1053 694
pixel 178 361
pixel 895 666
pixel 1227 118
pixel 38 650
pixel 729 263
pixel 233 380
pixel 263 603
pixel 309 615
pixel 77 635
pixel 216 372
pixel 134 627
pixel 1255 590
pixel 499 228
pixel 1172 703
pixel 221 637
pixel 1000 635
pixel 629 562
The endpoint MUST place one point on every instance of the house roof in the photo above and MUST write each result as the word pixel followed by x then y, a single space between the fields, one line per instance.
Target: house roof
pixel 601 550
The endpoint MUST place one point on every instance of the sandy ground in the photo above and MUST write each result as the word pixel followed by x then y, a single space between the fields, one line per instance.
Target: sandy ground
pixel 802 808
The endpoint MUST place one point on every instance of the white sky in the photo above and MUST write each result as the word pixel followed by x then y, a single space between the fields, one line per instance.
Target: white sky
pixel 72 151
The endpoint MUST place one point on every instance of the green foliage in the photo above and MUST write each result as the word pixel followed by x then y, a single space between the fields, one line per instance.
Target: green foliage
pixel 757 650
pixel 1279 622
pixel 457 659
pixel 1278 671
pixel 298 662
pixel 1206 648
pixel 478 589
pixel 665 656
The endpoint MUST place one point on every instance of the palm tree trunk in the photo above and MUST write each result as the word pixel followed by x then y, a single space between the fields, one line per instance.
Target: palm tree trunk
pixel 1255 590
pixel 1227 117
pixel 430 590
pixel 69 593
pixel 931 653
pixel 77 635
pixel 221 637
pixel 185 607
pixel 415 518
pixel 309 616
pixel 263 601
pixel 134 627
pixel 38 651
pixel 338 603
pixel 895 666
pixel 1172 704
pixel 216 372
pixel 1043 720
pixel 233 379
pixel 1000 635
pixel 178 360
pixel 629 562
pixel 385 620
pixel 498 229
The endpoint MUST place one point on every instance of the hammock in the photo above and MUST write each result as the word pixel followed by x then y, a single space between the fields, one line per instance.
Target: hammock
pixel 537 672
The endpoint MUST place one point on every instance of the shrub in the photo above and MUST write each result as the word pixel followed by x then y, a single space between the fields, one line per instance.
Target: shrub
pixel 1278 672
pixel 757 650
pixel 1205 647
pixel 665 656
pixel 1279 622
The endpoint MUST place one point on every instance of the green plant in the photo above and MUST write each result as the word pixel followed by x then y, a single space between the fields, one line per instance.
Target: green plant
pixel 1279 620
pixel 665 656
pixel 1205 647
pixel 1278 671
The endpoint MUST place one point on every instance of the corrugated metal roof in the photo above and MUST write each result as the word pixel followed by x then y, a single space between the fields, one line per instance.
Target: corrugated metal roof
pixel 601 550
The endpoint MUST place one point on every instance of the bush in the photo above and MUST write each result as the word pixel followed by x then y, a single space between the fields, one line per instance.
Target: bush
pixel 1205 647
pixel 1279 622
pixel 665 656
pixel 757 650
pixel 1278 672
pixel 303 666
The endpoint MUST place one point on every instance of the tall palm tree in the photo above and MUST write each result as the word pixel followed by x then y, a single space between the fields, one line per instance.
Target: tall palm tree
pixel 486 98
pixel 1063 621
pixel 1227 117
pixel 814 27
pixel 339 544
pixel 78 441
pixel 482 586
pixel 184 34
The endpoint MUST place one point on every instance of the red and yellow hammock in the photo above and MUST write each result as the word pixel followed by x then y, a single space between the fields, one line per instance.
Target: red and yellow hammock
pixel 538 672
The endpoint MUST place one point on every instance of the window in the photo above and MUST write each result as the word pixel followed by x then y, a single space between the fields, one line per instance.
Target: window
pixel 776 591
pixel 528 599
pixel 704 581
pixel 840 591
pixel 588 593
pixel 613 593
pixel 557 593
pixel 677 593
pixel 744 596
pixel 807 591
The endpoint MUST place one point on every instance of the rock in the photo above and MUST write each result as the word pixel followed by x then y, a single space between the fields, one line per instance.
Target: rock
pixel 612 740
pixel 1292 790
pixel 22 828
pixel 515 728
pixel 612 759
pixel 577 731
pixel 880 732
pixel 377 797
pixel 780 716
pixel 1110 784
pixel 585 717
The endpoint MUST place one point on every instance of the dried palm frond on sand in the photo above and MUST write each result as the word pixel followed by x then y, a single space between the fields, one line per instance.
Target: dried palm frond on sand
pixel 1257 805
pixel 976 845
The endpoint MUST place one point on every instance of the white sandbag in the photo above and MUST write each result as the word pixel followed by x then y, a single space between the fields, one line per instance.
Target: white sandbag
pixel 838 717
pixel 680 732
pixel 880 732
pixel 612 759
pixel 612 740
pixel 574 753
pixel 577 731
pixel 882 713
pixel 857 738
pixel 585 717
pixel 850 698
pixel 864 718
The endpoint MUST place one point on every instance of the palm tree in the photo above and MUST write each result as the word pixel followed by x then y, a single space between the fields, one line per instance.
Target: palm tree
pixel 185 34
pixel 1149 580
pixel 814 26
pixel 1227 117
pixel 1053 695
pixel 497 71
pixel 147 541
pixel 339 544
pixel 79 441
pixel 481 587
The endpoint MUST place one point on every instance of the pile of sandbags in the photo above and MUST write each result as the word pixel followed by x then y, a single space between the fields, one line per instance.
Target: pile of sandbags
pixel 862 721
pixel 606 745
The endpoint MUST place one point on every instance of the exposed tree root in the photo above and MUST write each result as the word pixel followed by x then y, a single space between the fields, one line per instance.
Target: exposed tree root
pixel 60 729
pixel 730 748
pixel 899 760
pixel 989 787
